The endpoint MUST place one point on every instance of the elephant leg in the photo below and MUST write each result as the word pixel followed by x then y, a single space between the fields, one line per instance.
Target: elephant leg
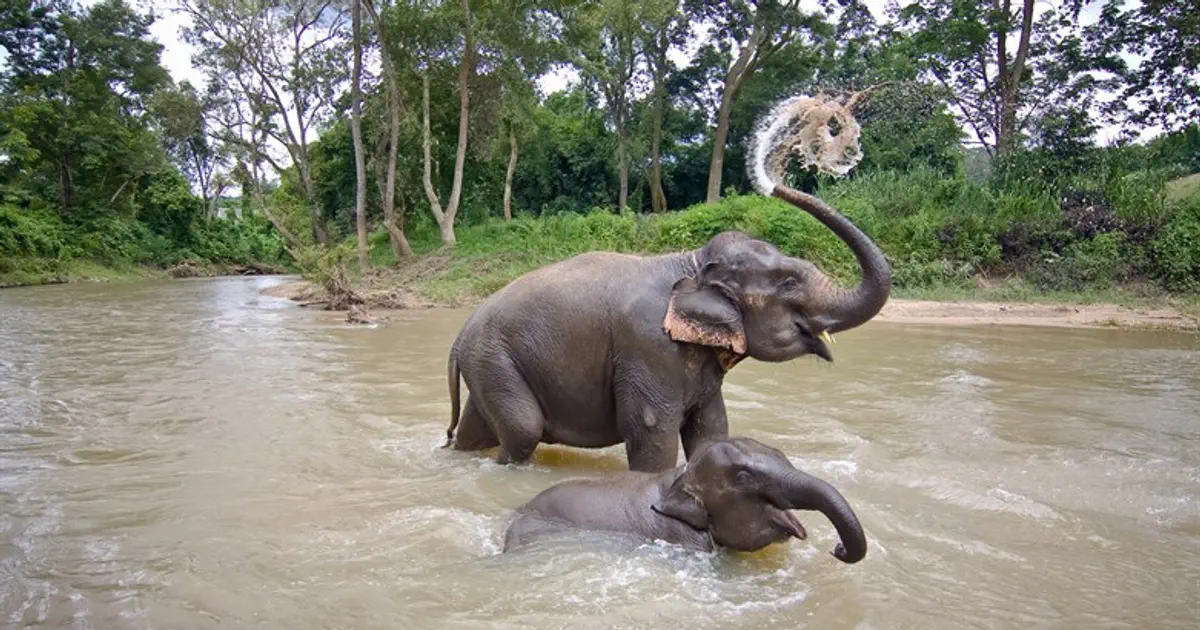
pixel 652 453
pixel 651 434
pixel 707 423
pixel 511 409
pixel 474 434
pixel 648 418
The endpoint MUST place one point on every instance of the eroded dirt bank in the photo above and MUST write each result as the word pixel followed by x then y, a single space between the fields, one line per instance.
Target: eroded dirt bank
pixel 1025 314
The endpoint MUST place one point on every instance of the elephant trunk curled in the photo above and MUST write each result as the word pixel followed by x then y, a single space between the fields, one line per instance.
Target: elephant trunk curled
pixel 841 309
pixel 802 491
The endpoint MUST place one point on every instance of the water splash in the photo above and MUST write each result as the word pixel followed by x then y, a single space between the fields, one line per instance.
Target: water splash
pixel 819 128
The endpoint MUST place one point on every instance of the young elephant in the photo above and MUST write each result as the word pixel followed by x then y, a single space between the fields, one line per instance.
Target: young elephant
pixel 732 493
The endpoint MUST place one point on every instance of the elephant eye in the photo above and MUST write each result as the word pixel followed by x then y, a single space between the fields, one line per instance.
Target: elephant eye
pixel 743 477
pixel 789 284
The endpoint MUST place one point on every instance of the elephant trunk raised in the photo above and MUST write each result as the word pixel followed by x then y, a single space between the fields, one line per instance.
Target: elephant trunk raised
pixel 839 308
pixel 801 491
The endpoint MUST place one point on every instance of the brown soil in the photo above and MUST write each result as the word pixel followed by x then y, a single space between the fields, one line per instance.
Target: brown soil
pixel 1022 314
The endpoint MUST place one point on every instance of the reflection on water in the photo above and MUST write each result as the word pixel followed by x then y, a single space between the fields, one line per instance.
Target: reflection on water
pixel 192 454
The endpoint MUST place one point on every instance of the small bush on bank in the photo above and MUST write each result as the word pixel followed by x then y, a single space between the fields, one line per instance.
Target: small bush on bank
pixel 31 234
pixel 1175 250
pixel 38 246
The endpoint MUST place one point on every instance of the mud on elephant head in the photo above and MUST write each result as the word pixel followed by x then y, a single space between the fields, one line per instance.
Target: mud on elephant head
pixel 748 298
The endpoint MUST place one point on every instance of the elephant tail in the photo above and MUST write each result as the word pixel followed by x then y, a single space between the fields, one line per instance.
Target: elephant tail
pixel 453 373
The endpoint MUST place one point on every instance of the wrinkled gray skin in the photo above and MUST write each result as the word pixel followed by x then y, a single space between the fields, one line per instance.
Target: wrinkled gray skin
pixel 606 348
pixel 733 493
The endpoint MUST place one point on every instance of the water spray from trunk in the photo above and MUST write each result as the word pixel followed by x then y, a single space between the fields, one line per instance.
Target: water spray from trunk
pixel 820 129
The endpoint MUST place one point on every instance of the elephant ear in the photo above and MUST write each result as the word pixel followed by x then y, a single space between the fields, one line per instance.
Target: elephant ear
pixel 680 504
pixel 703 315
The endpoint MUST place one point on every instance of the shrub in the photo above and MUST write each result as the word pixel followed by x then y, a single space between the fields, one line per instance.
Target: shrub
pixel 28 233
pixel 120 241
pixel 1175 250
pixel 1092 263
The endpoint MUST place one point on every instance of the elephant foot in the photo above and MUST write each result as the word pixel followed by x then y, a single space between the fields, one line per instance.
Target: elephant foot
pixel 504 458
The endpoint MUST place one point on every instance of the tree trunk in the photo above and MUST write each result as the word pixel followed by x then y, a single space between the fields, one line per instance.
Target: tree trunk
pixel 460 157
pixel 318 227
pixel 292 241
pixel 395 229
pixel 435 205
pixel 360 169
pixel 400 245
pixel 734 79
pixel 623 162
pixel 64 184
pixel 658 199
pixel 218 190
pixel 445 219
pixel 314 207
pixel 1010 79
pixel 508 174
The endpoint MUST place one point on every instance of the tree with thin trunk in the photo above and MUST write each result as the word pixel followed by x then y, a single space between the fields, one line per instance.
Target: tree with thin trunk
pixel 1013 70
pixel 182 117
pixel 756 30
pixel 666 25
pixel 242 134
pixel 360 169
pixel 508 173
pixel 658 69
pixel 295 51
pixel 391 222
pixel 445 216
pixel 515 39
pixel 610 33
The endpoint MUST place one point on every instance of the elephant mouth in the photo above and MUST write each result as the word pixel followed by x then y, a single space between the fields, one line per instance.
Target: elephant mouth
pixel 786 522
pixel 817 344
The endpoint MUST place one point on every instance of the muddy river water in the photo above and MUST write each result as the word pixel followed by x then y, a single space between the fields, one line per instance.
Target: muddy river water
pixel 193 454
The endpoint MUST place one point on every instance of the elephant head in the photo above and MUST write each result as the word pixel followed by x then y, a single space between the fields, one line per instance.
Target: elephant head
pixel 740 490
pixel 750 299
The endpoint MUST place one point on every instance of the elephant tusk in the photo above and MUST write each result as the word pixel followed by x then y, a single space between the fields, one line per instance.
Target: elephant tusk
pixel 826 337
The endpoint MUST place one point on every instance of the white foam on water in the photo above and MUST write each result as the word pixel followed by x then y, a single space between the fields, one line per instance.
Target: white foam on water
pixel 831 467
pixel 479 532
pixel 733 403
pixel 588 573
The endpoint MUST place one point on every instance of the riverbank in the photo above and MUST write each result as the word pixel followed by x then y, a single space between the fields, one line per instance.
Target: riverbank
pixel 34 272
pixel 985 308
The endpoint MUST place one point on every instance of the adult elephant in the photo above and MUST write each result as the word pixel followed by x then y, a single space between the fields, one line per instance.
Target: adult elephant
pixel 605 348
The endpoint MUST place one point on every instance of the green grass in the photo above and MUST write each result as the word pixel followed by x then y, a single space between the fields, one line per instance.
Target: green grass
pixel 36 271
pixel 1184 187
pixel 938 249
pixel 38 246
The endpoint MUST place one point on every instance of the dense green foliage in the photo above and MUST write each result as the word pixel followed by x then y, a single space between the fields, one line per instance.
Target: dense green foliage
pixel 936 231
pixel 86 178
pixel 105 163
